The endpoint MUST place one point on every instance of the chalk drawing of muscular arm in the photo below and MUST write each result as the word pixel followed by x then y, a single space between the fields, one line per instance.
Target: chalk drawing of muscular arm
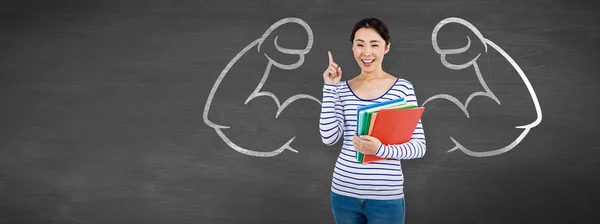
pixel 487 93
pixel 257 91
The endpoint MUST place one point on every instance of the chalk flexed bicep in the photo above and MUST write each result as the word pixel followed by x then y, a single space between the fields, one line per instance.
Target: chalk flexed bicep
pixel 254 75
pixel 467 58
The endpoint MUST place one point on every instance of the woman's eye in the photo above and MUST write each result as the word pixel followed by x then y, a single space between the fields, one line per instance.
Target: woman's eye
pixel 360 45
pixel 375 45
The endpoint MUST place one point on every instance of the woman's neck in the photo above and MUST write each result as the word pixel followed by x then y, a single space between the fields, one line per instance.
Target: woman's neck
pixel 377 74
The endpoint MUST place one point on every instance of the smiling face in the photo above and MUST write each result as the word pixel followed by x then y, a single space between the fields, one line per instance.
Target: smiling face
pixel 369 47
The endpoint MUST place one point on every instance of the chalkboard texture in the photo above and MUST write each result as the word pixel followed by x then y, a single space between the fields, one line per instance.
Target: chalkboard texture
pixel 207 111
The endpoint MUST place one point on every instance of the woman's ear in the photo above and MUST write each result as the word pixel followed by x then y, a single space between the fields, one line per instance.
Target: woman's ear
pixel 387 47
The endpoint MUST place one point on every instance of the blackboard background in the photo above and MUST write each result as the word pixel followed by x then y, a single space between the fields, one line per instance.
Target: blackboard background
pixel 101 111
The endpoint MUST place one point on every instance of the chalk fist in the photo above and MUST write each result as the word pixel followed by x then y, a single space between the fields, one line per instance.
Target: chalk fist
pixel 471 53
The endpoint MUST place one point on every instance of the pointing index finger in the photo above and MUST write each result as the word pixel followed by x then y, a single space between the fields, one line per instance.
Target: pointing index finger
pixel 330 57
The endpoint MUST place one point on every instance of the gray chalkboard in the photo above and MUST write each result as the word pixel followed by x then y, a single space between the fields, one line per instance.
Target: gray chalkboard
pixel 207 111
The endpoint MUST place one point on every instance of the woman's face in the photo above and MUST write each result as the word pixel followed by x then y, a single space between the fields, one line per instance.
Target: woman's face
pixel 369 48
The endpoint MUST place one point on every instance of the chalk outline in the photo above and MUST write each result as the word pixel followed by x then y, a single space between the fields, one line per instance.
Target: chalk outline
pixel 488 93
pixel 257 92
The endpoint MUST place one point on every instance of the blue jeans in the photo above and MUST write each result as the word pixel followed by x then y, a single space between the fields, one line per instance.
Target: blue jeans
pixel 349 210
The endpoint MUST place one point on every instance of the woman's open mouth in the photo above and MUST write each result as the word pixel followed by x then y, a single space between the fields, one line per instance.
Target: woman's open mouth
pixel 367 62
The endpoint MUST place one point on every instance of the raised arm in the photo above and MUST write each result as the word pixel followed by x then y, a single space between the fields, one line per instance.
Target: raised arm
pixel 331 122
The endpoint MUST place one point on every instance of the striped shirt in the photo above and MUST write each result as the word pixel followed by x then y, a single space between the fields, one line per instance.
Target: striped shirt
pixel 376 180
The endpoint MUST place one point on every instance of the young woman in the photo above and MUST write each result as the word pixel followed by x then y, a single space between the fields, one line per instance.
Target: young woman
pixel 373 192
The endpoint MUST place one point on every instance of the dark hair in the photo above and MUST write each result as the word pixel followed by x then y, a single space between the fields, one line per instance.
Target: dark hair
pixel 374 23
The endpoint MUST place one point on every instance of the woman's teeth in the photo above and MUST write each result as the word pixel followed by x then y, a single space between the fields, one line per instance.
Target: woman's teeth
pixel 368 61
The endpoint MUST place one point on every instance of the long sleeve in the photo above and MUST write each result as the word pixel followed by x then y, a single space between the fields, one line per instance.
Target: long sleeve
pixel 331 121
pixel 415 148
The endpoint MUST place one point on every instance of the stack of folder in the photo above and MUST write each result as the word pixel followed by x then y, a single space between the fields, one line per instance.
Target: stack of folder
pixel 392 122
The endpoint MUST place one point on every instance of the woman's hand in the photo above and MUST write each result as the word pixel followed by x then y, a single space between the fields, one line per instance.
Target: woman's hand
pixel 333 73
pixel 365 144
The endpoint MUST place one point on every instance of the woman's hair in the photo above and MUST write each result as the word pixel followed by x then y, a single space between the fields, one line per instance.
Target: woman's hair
pixel 374 23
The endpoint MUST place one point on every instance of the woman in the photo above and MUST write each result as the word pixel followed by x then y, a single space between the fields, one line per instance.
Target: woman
pixel 373 192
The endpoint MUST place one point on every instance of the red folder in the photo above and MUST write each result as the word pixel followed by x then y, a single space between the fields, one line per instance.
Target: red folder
pixel 394 126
